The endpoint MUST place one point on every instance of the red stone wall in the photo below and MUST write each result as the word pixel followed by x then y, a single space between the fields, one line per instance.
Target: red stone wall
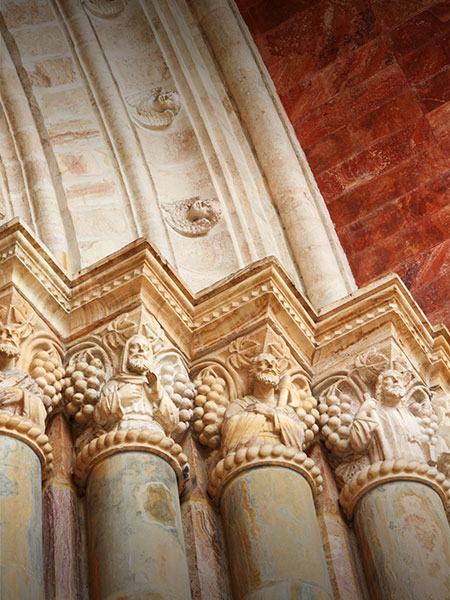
pixel 366 85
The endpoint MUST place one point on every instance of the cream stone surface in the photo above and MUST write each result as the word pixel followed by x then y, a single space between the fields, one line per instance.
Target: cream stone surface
pixel 135 537
pixel 21 566
pixel 116 123
pixel 405 542
pixel 201 353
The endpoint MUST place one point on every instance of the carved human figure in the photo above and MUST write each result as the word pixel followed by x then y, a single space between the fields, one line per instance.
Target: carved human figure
pixel 19 393
pixel 385 427
pixel 265 417
pixel 135 399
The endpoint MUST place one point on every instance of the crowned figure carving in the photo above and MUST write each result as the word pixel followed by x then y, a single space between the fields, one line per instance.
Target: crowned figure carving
pixel 135 398
pixel 19 393
pixel 379 411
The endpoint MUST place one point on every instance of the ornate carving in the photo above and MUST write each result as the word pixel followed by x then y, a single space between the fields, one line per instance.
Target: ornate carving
pixel 105 8
pixel 193 217
pixel 379 411
pixel 127 378
pixel 19 393
pixel 155 109
pixel 278 411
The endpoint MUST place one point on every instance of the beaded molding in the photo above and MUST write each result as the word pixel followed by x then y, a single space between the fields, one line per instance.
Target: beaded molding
pixel 259 456
pixel 392 470
pixel 28 432
pixel 128 441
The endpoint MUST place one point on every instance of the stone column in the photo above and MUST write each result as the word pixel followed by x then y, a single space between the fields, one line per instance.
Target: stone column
pixel 25 455
pixel 273 538
pixel 135 537
pixel 398 509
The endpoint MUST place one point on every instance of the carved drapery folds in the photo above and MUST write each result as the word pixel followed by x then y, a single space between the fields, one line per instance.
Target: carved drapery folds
pixel 126 387
pixel 379 421
pixel 30 379
pixel 255 407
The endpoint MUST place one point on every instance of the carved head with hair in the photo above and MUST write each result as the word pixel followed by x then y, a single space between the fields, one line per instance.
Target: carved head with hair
pixel 390 388
pixel 137 355
pixel 9 342
pixel 264 369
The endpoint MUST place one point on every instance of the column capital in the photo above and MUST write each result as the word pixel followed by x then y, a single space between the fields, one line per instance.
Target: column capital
pixel 131 440
pixel 25 430
pixel 266 455
pixel 385 471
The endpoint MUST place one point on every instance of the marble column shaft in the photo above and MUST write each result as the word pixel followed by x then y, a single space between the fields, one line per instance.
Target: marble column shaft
pixel 21 564
pixel 404 539
pixel 273 537
pixel 135 538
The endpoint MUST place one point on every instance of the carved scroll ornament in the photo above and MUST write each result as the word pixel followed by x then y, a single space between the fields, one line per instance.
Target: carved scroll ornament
pixel 380 411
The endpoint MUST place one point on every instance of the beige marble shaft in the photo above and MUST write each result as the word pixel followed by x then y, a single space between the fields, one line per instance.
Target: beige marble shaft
pixel 273 537
pixel 135 538
pixel 404 540
pixel 324 278
pixel 21 565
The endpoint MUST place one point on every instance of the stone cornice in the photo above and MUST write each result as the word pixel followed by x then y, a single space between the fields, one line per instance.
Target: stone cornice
pixel 260 294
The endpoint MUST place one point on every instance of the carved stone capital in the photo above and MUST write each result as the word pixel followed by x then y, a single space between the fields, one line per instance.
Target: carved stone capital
pixel 392 470
pixel 131 440
pixel 25 430
pixel 263 456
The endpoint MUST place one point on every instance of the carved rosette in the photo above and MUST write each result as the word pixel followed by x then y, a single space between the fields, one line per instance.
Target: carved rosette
pixel 253 407
pixel 127 388
pixel 379 422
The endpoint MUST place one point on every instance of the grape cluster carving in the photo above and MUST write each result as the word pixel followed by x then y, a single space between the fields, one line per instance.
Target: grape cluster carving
pixel 181 391
pixel 210 406
pixel 82 385
pixel 336 419
pixel 46 370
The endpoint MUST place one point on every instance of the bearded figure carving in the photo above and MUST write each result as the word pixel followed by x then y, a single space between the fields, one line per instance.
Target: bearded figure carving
pixel 135 399
pixel 265 416
pixel 19 393
pixel 387 429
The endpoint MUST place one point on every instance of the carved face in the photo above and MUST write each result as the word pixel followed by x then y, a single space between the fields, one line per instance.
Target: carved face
pixel 390 388
pixel 168 100
pixel 200 209
pixel 139 355
pixel 9 346
pixel 265 369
